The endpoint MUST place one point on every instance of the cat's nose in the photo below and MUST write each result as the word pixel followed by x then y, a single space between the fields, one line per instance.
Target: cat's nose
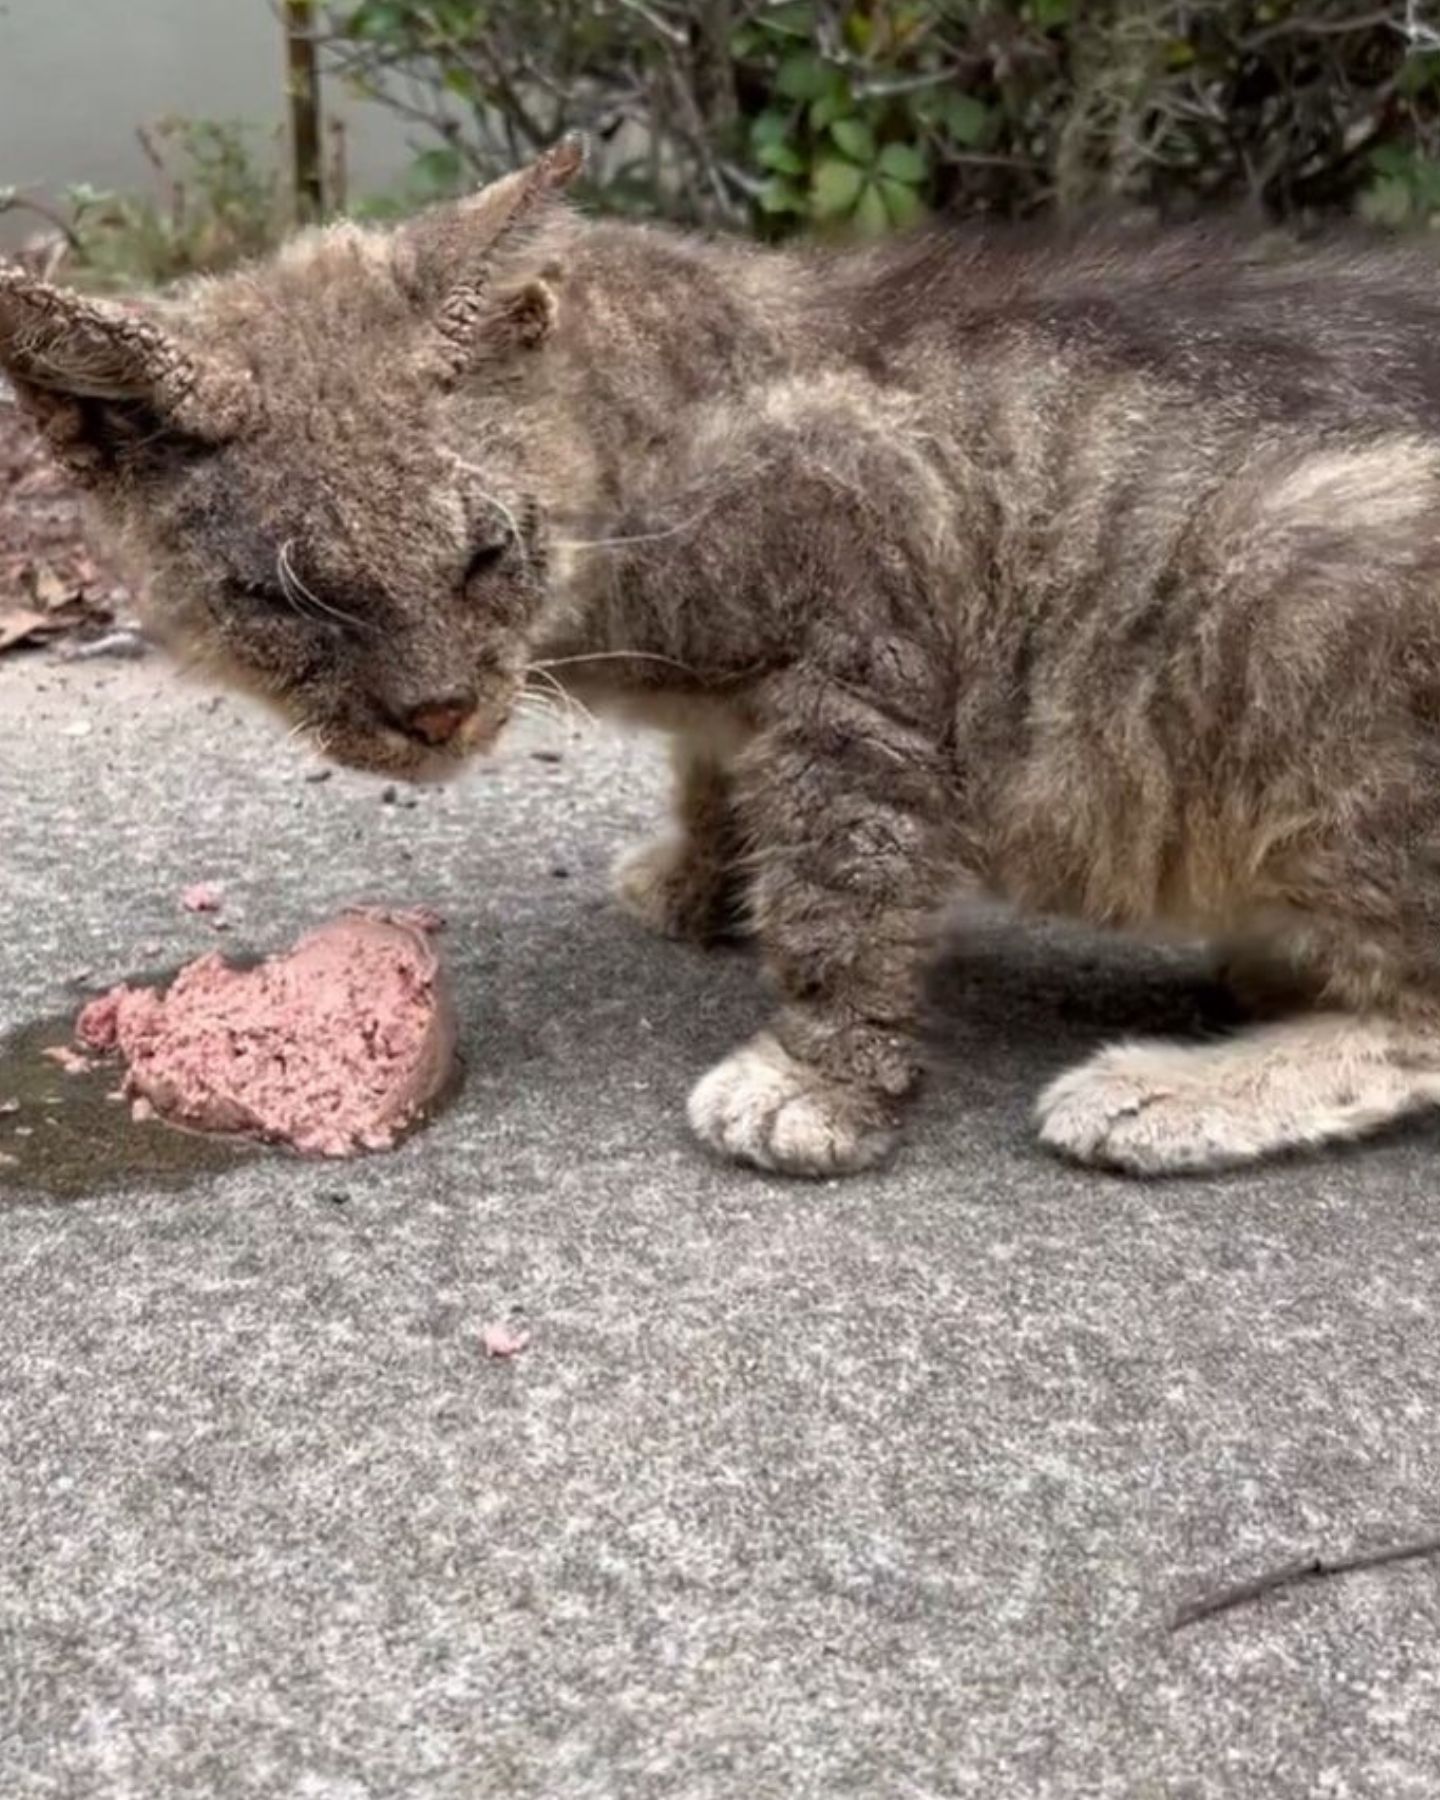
pixel 440 721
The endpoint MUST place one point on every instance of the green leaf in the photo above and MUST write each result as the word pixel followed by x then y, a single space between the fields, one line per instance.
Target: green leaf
pixel 834 187
pixel 1387 202
pixel 770 128
pixel 461 81
pixel 1047 14
pixel 377 19
pixel 855 138
pixel 903 162
pixel 1421 69
pixel 1425 181
pixel 834 103
pixel 796 19
pixel 1392 159
pixel 782 157
pixel 780 196
pixel 966 118
pixel 902 203
pixel 437 171
pixel 871 214
pixel 802 76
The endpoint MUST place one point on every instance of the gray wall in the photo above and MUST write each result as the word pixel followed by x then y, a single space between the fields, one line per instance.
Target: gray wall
pixel 77 76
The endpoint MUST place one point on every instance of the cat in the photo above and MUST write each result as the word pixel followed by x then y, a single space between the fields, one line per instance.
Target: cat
pixel 1100 572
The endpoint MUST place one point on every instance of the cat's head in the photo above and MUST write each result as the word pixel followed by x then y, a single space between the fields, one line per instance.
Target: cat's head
pixel 327 466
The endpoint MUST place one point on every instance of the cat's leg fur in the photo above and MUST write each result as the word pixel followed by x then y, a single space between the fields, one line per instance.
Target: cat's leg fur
pixel 1265 982
pixel 841 807
pixel 689 884
pixel 1155 1108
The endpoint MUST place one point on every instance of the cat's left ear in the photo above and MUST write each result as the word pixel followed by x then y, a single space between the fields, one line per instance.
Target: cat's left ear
pixel 98 376
pixel 446 260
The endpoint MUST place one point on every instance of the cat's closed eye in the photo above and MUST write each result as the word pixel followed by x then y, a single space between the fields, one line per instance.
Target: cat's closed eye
pixel 486 558
pixel 260 596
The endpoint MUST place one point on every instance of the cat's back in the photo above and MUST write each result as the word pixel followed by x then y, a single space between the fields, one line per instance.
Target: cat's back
pixel 1347 327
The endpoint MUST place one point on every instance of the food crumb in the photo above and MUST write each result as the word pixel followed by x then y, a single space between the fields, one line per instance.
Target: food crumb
pixel 73 1062
pixel 500 1340
pixel 201 897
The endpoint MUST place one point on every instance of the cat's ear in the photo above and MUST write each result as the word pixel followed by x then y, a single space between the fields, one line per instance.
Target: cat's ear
pixel 99 376
pixel 445 260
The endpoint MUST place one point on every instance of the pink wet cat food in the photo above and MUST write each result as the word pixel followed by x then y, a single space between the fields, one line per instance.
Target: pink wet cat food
pixel 331 1048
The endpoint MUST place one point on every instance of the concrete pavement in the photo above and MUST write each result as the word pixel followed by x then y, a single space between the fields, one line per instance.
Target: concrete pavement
pixel 883 1488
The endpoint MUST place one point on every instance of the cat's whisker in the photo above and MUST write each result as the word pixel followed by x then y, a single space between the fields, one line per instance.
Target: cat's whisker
pixel 292 586
pixel 572 705
pixel 639 537
pixel 564 662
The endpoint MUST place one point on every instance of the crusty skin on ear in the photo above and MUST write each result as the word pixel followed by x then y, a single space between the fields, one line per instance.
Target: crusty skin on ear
pixel 1100 572
pixel 61 348
pixel 449 257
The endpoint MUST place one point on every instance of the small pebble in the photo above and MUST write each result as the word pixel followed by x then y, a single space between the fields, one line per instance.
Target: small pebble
pixel 202 897
pixel 560 872
pixel 547 756
pixel 389 795
pixel 500 1340
pixel 318 775
pixel 126 645
pixel 334 1196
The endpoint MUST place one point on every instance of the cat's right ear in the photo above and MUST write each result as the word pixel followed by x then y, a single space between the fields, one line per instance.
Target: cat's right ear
pixel 446 260
pixel 451 248
pixel 100 377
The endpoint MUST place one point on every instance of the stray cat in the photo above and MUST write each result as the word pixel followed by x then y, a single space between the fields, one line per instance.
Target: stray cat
pixel 1102 574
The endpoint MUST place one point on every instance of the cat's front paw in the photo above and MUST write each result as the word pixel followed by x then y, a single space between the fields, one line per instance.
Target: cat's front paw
pixel 1149 1109
pixel 762 1106
pixel 672 888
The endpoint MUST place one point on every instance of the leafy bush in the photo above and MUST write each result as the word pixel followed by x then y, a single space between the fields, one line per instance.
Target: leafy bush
pixel 219 202
pixel 780 114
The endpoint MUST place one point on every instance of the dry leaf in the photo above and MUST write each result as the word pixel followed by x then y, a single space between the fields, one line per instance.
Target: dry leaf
pixel 49 590
pixel 22 628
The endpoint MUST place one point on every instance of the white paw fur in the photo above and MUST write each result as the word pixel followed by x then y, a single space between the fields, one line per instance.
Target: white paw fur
pixel 761 1106
pixel 1159 1108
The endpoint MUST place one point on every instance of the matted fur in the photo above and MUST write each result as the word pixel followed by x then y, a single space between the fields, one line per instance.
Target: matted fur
pixel 1102 573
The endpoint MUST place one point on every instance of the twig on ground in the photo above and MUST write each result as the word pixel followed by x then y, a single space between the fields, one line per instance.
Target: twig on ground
pixel 1308 1568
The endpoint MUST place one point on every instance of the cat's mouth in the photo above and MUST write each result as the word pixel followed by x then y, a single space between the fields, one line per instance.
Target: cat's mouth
pixel 377 748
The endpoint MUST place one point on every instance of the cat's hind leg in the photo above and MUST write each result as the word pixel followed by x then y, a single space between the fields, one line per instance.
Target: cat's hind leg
pixel 1159 1108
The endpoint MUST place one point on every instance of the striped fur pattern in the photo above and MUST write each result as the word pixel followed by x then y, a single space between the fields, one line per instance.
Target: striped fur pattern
pixel 1101 573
